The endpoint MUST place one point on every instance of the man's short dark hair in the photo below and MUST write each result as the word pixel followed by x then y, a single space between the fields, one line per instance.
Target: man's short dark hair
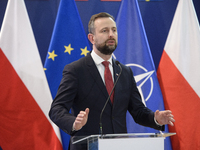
pixel 96 16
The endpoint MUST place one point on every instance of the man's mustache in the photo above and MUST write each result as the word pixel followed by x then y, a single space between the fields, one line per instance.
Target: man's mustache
pixel 110 40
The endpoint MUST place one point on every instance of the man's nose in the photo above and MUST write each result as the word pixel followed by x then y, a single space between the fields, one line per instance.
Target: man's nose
pixel 111 34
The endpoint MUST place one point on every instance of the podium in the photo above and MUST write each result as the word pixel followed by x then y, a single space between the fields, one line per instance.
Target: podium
pixel 133 141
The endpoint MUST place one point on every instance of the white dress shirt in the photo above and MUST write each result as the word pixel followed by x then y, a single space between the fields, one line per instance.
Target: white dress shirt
pixel 98 61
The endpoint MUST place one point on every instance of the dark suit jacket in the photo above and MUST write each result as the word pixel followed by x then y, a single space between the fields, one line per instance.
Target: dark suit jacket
pixel 82 87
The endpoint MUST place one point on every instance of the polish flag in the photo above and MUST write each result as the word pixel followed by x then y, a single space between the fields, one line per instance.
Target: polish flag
pixel 25 97
pixel 179 77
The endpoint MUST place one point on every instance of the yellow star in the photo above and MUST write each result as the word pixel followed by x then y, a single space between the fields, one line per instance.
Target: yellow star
pixel 45 69
pixel 52 55
pixel 84 51
pixel 68 49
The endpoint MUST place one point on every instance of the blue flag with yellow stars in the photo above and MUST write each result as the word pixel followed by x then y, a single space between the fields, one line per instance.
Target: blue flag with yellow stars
pixel 133 51
pixel 68 43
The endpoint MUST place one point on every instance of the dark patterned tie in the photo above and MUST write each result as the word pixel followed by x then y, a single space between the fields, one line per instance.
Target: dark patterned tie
pixel 108 79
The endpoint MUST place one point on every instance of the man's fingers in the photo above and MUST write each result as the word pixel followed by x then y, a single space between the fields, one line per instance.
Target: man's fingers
pixel 157 111
pixel 168 112
pixel 79 118
pixel 170 123
pixel 77 121
pixel 170 115
pixel 81 115
pixel 165 117
pixel 172 119
pixel 87 111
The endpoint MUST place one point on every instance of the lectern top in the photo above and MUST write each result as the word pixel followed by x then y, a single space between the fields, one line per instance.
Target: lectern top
pixel 81 139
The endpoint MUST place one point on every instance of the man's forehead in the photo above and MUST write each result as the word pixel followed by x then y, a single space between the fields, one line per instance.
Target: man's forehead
pixel 106 21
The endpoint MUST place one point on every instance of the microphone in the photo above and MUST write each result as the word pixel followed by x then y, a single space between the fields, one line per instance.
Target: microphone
pixel 100 122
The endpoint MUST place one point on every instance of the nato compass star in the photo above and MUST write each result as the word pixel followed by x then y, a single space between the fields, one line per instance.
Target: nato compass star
pixel 142 78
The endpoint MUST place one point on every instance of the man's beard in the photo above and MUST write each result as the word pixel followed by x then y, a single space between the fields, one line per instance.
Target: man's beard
pixel 105 49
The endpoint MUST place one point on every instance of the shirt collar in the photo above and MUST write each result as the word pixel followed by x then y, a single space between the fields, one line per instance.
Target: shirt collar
pixel 98 60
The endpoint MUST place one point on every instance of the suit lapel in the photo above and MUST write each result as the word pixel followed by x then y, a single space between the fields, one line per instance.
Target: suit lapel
pixel 94 73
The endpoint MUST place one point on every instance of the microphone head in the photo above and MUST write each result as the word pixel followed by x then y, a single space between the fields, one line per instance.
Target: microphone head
pixel 117 62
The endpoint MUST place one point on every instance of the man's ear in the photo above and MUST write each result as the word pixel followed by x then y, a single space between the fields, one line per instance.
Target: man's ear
pixel 91 38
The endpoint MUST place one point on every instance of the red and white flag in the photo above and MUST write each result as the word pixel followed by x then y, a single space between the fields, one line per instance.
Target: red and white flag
pixel 25 97
pixel 179 77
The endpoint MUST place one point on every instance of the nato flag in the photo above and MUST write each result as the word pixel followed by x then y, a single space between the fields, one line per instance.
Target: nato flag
pixel 133 50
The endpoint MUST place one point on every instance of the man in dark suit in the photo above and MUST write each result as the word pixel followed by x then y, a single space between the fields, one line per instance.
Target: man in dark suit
pixel 83 89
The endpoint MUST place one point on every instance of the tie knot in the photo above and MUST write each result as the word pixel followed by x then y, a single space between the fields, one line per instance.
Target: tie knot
pixel 105 63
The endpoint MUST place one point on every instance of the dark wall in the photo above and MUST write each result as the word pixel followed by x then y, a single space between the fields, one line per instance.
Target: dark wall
pixel 157 18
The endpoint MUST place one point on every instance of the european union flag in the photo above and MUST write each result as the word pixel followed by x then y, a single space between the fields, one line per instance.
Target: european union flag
pixel 133 50
pixel 68 43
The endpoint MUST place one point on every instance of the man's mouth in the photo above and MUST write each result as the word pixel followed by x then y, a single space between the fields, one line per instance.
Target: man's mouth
pixel 110 42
